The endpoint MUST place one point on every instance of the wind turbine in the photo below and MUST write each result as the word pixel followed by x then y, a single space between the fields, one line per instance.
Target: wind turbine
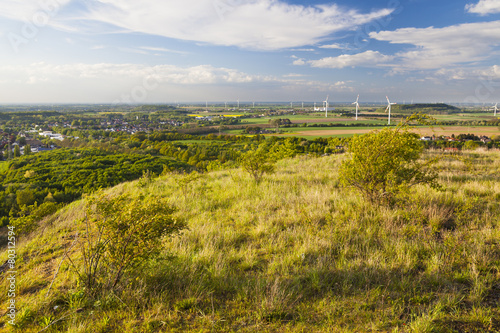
pixel 326 106
pixel 495 108
pixel 357 107
pixel 389 108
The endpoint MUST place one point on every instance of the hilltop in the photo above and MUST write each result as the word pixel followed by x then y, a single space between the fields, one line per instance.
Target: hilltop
pixel 294 253
pixel 432 108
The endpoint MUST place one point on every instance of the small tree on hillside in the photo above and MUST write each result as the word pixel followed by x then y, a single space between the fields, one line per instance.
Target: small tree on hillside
pixel 121 234
pixel 257 163
pixel 382 164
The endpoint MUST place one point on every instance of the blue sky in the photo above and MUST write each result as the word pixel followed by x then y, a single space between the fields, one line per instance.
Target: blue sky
pixel 150 51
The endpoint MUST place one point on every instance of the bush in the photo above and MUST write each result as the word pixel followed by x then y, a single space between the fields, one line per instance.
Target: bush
pixel 257 163
pixel 384 163
pixel 121 234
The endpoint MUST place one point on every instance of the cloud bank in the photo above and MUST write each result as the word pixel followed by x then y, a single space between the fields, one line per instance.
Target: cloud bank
pixel 484 7
pixel 443 47
pixel 248 24
pixel 368 58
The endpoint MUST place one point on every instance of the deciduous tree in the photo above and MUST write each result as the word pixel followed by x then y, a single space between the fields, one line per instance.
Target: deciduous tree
pixel 382 164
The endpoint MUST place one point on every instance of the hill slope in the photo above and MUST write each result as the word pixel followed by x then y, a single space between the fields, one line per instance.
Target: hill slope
pixel 294 253
pixel 435 108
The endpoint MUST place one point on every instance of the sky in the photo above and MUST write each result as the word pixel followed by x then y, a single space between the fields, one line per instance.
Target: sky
pixel 154 51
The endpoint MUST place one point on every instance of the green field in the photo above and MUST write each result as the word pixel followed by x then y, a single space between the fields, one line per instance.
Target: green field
pixel 382 120
pixel 315 132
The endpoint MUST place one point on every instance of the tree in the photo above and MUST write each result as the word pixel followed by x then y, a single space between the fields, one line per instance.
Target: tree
pixel 21 140
pixel 17 151
pixel 25 197
pixel 27 150
pixel 257 163
pixel 121 234
pixel 384 163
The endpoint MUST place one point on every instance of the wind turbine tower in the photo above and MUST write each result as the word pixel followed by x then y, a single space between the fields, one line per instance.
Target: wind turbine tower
pixel 389 108
pixel 326 106
pixel 357 107
pixel 495 108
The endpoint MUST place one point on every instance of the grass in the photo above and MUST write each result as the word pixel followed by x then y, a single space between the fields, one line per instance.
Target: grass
pixel 295 253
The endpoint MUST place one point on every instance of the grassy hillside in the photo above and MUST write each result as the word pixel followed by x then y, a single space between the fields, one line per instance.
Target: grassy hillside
pixel 433 109
pixel 295 253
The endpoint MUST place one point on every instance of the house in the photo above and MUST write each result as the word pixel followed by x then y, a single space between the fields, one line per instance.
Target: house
pixel 485 139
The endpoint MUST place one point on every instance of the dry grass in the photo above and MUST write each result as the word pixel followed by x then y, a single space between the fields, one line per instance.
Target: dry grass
pixel 294 253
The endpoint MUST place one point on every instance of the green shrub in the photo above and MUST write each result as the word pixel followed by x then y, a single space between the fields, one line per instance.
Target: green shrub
pixel 257 163
pixel 384 163
pixel 121 234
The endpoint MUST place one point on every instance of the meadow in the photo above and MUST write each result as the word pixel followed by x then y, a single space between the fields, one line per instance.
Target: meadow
pixel 295 253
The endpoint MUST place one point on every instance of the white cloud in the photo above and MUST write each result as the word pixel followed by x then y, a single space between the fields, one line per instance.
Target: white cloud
pixel 333 46
pixel 484 7
pixel 162 49
pixel 444 47
pixel 365 59
pixel 203 74
pixel 299 62
pixel 31 10
pixel 303 50
pixel 293 75
pixel 106 82
pixel 249 24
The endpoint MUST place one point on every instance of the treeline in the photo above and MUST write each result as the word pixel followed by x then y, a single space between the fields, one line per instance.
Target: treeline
pixel 491 122
pixel 62 176
pixel 426 108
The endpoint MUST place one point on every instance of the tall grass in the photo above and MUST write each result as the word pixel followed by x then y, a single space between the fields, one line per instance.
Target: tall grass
pixel 294 253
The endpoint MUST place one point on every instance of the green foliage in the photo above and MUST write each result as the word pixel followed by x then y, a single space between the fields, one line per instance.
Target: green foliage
pixel 25 197
pixel 121 234
pixel 257 163
pixel 438 108
pixel 64 175
pixel 384 163
pixel 29 216
pixel 296 254
pixel 471 145
pixel 17 151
